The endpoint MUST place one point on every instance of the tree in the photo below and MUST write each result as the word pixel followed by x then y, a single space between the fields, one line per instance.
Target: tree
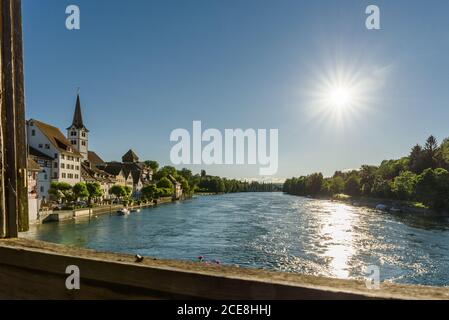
pixel 118 191
pixel 352 185
pixel 417 159
pixel 430 152
pixel 154 165
pixel 403 186
pixel 165 183
pixel 164 172
pixel 381 187
pixel 203 173
pixel 432 188
pixel 337 185
pixel 185 173
pixel 128 191
pixel 443 154
pixel 184 184
pixel 149 192
pixel 94 190
pixel 61 190
pixel 367 175
pixel 314 183
pixel 80 191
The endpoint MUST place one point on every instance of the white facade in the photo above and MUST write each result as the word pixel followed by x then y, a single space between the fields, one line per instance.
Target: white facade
pixel 65 166
pixel 79 140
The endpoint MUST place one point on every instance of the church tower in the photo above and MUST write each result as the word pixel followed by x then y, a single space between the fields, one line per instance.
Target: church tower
pixel 77 133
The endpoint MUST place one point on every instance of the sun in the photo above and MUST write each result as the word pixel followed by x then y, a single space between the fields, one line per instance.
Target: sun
pixel 340 97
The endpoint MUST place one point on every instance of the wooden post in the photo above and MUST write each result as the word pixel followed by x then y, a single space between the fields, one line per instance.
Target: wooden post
pixel 13 149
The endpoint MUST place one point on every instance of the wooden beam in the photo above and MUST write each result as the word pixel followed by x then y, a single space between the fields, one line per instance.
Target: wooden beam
pixel 13 184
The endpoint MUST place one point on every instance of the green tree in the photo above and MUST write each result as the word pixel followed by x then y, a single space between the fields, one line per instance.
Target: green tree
pixel 381 187
pixel 403 186
pixel 61 191
pixel 118 191
pixel 352 185
pixel 94 191
pixel 432 188
pixel 165 183
pixel 149 192
pixel 314 183
pixel 337 185
pixel 80 191
pixel 431 152
pixel 154 165
pixel 164 172
pixel 417 159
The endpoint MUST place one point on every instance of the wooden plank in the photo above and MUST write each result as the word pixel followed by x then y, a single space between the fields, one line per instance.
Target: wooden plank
pixel 19 108
pixel 14 198
pixel 2 168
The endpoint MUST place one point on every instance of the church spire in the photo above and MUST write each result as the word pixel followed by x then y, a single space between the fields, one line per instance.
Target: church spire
pixel 77 116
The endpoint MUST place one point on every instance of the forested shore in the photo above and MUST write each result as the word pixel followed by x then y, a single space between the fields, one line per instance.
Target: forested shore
pixel 421 178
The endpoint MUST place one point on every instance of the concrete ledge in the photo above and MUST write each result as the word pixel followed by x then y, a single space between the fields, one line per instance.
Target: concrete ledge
pixel 36 270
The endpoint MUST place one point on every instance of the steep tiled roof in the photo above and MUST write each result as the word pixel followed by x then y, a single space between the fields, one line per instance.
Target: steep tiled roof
pixel 36 153
pixel 55 136
pixel 130 156
pixel 94 158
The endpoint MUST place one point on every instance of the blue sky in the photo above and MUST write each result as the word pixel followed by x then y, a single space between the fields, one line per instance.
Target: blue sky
pixel 148 67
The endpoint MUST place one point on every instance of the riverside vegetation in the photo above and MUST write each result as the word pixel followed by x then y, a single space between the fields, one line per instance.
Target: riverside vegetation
pixel 420 179
pixel 73 196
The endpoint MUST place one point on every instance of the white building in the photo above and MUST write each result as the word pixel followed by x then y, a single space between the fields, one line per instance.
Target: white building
pixel 49 140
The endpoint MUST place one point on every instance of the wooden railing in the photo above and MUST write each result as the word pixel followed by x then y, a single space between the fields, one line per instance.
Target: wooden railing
pixel 36 270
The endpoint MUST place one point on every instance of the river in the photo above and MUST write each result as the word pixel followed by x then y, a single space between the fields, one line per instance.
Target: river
pixel 273 231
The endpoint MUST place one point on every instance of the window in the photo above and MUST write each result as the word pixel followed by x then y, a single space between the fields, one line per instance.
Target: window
pixel 62 165
pixel 77 167
pixel 33 132
pixel 73 142
pixel 42 189
pixel 45 176
pixel 55 175
pixel 73 133
pixel 47 146
pixel 63 175
pixel 62 157
pixel 40 146
pixel 55 165
pixel 83 143
pixel 83 134
pixel 76 176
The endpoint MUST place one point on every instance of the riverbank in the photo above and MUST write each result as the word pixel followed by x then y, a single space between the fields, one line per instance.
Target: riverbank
pixel 387 205
pixel 66 215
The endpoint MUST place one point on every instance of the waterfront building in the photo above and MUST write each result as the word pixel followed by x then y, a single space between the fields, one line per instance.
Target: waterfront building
pixel 51 143
pixel 177 188
pixel 44 175
pixel 34 201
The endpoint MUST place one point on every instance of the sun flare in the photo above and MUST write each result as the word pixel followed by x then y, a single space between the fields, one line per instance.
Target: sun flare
pixel 340 97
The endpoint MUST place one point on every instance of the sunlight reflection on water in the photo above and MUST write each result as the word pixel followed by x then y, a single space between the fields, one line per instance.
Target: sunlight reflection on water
pixel 273 231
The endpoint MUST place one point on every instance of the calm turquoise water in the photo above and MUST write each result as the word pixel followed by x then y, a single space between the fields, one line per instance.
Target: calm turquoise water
pixel 273 231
